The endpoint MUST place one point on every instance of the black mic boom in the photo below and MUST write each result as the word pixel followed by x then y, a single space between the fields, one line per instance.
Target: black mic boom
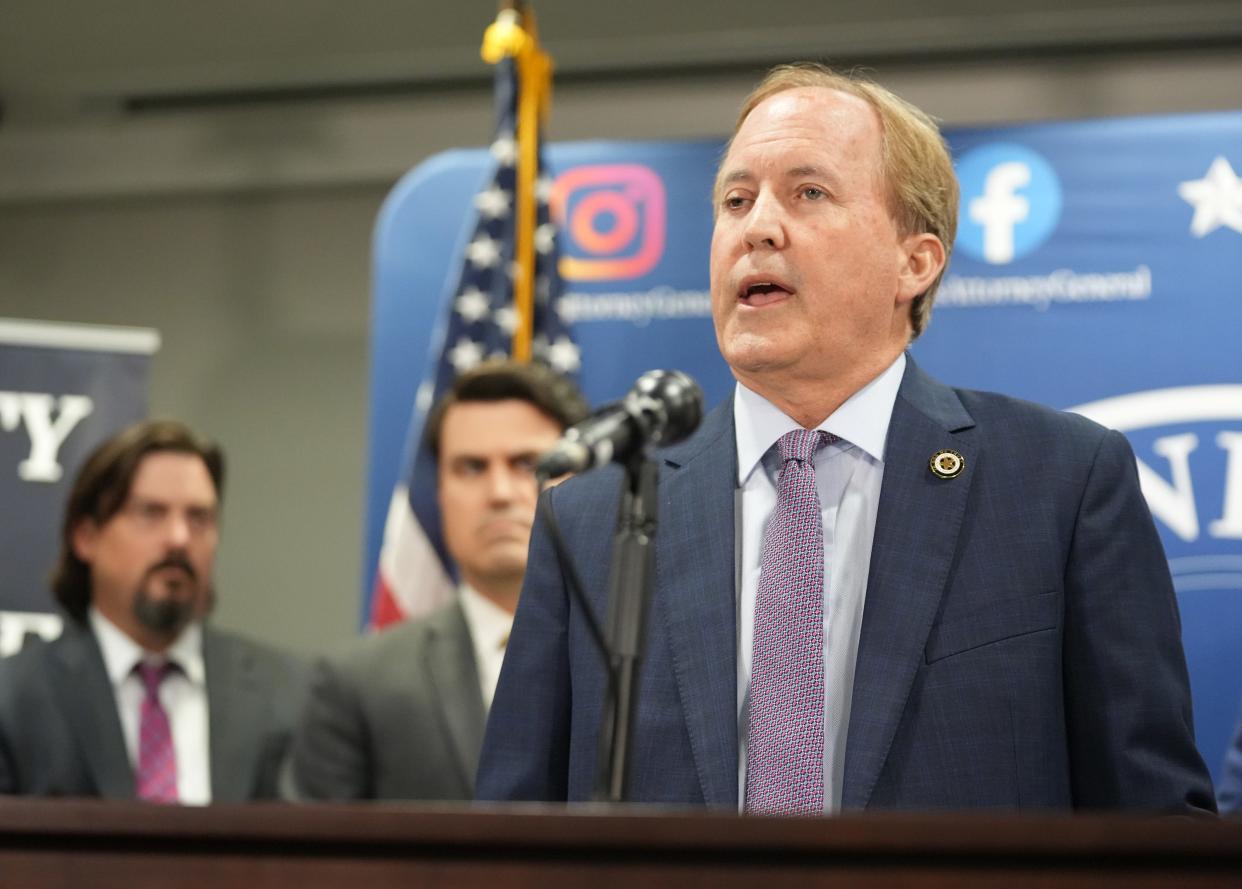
pixel 664 407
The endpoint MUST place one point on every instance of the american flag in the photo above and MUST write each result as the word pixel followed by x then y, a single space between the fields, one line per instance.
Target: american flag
pixel 415 574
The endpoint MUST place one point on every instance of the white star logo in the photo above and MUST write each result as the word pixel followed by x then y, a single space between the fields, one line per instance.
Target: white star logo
pixel 545 238
pixel 483 252
pixel 1217 199
pixel 465 355
pixel 472 305
pixel 564 355
pixel 493 203
pixel 543 188
pixel 504 150
pixel 506 319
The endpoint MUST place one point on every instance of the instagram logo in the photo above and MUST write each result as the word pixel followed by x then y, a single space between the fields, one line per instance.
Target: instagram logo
pixel 614 214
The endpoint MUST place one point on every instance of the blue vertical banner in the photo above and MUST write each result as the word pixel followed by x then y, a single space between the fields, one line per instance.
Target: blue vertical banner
pixel 1098 268
pixel 64 388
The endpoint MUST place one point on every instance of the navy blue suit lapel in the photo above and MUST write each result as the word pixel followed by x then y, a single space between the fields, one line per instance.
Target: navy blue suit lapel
pixel 695 595
pixel 916 535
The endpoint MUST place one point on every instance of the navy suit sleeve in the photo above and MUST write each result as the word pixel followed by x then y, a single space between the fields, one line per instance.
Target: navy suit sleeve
pixel 1131 735
pixel 1229 797
pixel 526 746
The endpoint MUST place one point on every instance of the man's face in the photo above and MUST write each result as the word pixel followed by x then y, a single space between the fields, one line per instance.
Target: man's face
pixel 151 563
pixel 810 276
pixel 487 489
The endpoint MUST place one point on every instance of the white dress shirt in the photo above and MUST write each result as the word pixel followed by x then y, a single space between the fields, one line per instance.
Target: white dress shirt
pixel 183 694
pixel 490 626
pixel 848 475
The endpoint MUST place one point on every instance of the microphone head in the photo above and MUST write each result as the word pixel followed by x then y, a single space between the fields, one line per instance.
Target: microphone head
pixel 664 407
pixel 668 404
pixel 568 455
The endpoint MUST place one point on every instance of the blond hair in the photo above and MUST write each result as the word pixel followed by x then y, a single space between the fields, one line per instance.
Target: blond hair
pixel 914 159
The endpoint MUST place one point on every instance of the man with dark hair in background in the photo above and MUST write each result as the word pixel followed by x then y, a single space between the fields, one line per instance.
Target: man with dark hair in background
pixel 400 715
pixel 139 696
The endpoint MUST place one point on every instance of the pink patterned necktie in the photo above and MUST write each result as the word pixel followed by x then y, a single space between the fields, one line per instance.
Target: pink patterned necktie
pixel 157 761
pixel 785 748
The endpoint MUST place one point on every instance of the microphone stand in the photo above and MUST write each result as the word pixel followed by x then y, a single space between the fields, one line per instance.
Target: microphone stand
pixel 629 593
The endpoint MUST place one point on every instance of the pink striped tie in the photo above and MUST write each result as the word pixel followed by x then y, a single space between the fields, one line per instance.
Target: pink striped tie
pixel 785 746
pixel 157 761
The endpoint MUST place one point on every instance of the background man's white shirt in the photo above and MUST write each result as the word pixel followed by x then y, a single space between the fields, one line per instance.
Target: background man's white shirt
pixel 183 694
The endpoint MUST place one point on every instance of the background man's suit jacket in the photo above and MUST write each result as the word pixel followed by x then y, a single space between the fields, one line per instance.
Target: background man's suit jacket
pixel 60 734
pixel 1020 641
pixel 399 715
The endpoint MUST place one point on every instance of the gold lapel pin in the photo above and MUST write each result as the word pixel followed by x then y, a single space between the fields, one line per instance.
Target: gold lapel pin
pixel 947 464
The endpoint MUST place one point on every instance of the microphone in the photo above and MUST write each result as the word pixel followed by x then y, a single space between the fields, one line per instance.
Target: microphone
pixel 664 407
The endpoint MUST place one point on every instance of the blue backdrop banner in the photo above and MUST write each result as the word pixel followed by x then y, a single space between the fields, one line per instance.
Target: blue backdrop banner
pixel 63 389
pixel 1098 268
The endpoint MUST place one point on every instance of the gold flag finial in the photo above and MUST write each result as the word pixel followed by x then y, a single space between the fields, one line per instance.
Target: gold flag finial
pixel 505 37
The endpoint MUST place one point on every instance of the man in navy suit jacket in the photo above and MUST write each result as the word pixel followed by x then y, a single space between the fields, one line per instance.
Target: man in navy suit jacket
pixel 1000 629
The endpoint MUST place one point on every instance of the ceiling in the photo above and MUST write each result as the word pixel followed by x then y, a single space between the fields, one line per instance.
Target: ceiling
pixel 60 61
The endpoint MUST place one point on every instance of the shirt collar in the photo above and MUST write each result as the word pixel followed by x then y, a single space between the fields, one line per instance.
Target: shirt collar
pixel 121 653
pixel 489 624
pixel 862 420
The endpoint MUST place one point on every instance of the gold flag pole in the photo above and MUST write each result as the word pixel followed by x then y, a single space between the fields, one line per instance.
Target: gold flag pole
pixel 513 35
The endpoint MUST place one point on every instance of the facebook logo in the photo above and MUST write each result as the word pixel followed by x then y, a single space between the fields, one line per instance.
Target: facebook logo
pixel 1011 202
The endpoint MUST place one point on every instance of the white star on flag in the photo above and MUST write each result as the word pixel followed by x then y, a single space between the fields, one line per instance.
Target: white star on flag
pixel 545 238
pixel 493 203
pixel 506 319
pixel 426 392
pixel 564 355
pixel 543 189
pixel 504 150
pixel 465 355
pixel 483 252
pixel 1217 199
pixel 472 305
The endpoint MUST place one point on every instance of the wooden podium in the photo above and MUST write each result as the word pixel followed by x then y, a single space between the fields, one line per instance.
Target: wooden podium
pixel 84 843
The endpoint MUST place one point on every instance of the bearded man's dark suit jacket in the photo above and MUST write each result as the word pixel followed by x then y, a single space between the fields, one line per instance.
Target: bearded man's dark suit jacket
pixel 395 716
pixel 1020 643
pixel 60 734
